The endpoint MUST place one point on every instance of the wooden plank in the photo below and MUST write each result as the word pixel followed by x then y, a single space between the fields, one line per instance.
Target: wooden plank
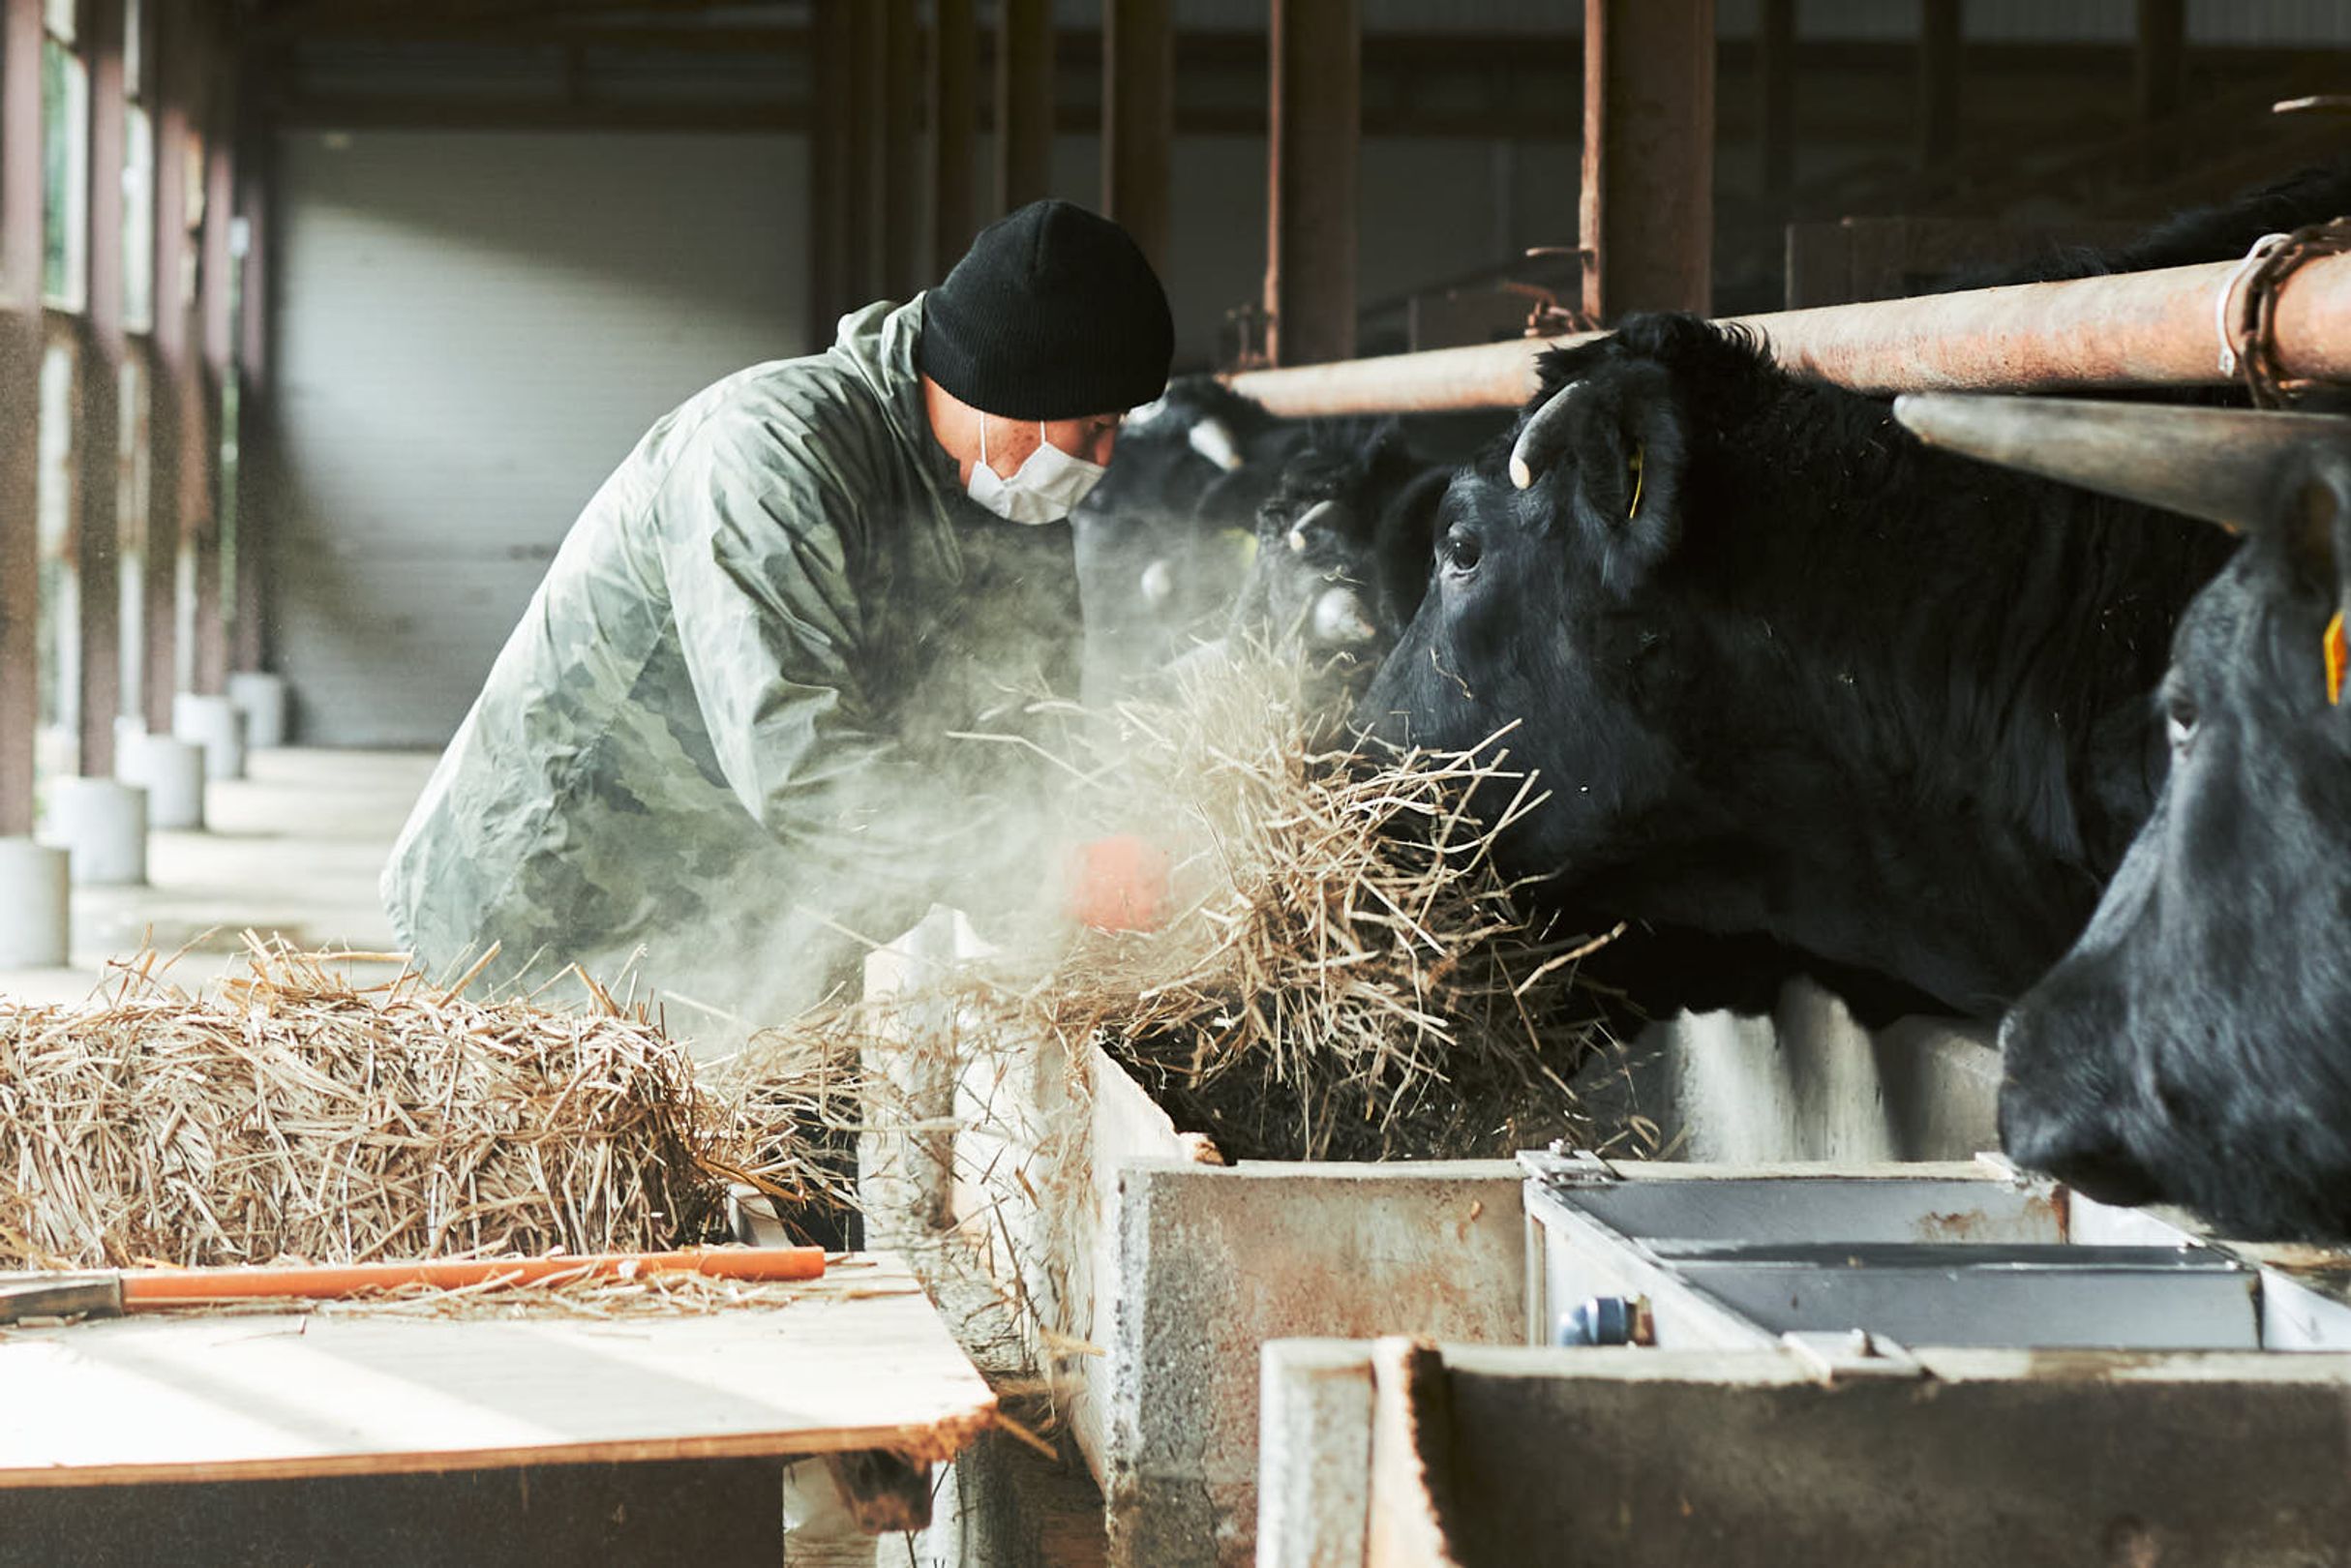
pixel 861 160
pixel 1409 1524
pixel 1775 97
pixel 249 645
pixel 833 42
pixel 709 1513
pixel 1647 205
pixel 209 367
pixel 98 417
pixel 855 1361
pixel 1819 265
pixel 20 343
pixel 2158 76
pixel 1024 103
pixel 901 190
pixel 170 375
pixel 1138 119
pixel 1314 138
pixel 1938 62
pixel 953 78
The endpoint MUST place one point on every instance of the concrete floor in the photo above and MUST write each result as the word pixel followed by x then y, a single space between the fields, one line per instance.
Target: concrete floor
pixel 293 849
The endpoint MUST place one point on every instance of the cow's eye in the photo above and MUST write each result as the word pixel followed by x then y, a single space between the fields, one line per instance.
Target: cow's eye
pixel 1463 549
pixel 2180 722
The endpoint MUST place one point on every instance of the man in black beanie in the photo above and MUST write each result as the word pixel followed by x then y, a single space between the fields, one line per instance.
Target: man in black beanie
pixel 722 745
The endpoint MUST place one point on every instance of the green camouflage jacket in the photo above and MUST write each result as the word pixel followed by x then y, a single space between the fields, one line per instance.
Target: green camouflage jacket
pixel 722 737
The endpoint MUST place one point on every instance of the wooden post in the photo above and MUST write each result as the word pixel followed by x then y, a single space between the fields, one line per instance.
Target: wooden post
pixel 1314 124
pixel 1646 209
pixel 862 158
pixel 833 52
pixel 210 366
pixel 257 434
pixel 98 424
pixel 2159 75
pixel 1939 43
pixel 1024 103
pixel 901 190
pixel 169 436
pixel 20 251
pixel 1775 97
pixel 954 78
pixel 1138 118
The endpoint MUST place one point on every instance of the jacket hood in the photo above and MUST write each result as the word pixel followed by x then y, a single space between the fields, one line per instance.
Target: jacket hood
pixel 878 343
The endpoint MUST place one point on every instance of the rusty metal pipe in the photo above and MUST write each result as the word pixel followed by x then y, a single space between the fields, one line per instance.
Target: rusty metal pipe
pixel 2131 329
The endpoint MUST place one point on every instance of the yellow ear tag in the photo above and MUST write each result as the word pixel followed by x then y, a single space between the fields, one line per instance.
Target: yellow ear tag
pixel 2337 656
pixel 1634 511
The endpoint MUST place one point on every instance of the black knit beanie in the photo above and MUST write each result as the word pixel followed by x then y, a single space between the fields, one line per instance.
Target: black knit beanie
pixel 1052 313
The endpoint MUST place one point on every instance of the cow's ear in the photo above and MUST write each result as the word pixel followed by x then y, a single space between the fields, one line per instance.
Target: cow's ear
pixel 1387 457
pixel 1407 540
pixel 2319 540
pixel 2309 525
pixel 1629 451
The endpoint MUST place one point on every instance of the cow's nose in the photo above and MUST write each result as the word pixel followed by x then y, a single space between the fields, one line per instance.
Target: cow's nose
pixel 2076 1145
pixel 1158 584
pixel 1339 619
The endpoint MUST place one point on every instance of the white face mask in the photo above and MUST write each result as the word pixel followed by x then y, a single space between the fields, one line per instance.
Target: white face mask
pixel 1044 489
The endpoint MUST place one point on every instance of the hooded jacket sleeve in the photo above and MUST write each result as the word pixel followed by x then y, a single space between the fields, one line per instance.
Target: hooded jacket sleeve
pixel 755 527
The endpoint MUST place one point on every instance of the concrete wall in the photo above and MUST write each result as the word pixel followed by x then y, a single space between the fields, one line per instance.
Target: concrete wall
pixel 472 330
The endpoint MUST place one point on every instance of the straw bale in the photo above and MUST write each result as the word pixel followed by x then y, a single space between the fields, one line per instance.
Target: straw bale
pixel 292 1112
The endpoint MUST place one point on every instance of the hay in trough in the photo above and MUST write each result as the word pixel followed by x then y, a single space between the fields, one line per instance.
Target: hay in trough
pixel 1348 973
pixel 295 1113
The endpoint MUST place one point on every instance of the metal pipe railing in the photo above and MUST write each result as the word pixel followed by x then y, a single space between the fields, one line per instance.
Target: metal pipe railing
pixel 2129 329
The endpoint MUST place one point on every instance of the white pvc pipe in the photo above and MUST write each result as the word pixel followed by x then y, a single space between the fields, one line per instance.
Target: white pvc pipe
pixel 171 772
pixel 261 698
pixel 216 724
pixel 34 905
pixel 101 826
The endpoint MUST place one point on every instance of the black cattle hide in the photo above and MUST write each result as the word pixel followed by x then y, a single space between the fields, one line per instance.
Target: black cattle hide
pixel 2195 1045
pixel 1795 680
pixel 1830 703
pixel 1343 542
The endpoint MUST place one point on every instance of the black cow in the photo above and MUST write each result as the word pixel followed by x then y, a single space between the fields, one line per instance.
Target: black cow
pixel 1164 542
pixel 1791 676
pixel 1343 552
pixel 1856 708
pixel 2194 1046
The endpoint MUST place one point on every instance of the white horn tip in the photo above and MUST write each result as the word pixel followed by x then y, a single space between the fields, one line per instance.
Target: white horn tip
pixel 1521 475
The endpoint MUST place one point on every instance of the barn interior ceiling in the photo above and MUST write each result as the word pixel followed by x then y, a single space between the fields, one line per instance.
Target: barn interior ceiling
pixel 2049 118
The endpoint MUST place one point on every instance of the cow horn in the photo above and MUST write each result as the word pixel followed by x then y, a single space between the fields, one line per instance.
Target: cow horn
pixel 1546 432
pixel 1212 439
pixel 2221 465
pixel 1311 515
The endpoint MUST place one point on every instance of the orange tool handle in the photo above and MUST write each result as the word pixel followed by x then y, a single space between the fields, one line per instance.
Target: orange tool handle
pixel 175 1287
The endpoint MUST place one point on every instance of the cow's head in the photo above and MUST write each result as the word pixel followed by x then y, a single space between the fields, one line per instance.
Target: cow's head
pixel 1342 550
pixel 2194 1047
pixel 1537 600
pixel 1164 541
